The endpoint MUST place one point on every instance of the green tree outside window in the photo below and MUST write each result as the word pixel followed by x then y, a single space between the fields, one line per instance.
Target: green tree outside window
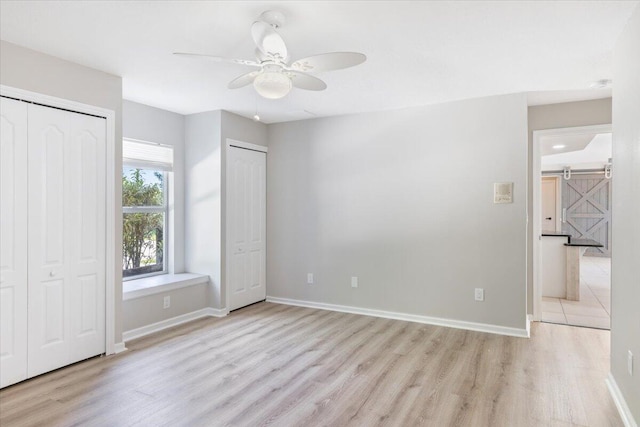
pixel 143 221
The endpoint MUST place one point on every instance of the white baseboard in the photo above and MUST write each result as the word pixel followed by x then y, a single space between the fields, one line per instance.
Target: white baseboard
pixel 458 324
pixel 174 321
pixel 621 403
pixel 119 347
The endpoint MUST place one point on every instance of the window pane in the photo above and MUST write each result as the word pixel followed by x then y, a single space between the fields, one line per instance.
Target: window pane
pixel 142 243
pixel 142 187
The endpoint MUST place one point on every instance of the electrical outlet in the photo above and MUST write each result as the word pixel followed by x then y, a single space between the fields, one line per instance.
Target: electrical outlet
pixel 479 294
pixel 310 278
pixel 166 302
pixel 354 282
pixel 630 363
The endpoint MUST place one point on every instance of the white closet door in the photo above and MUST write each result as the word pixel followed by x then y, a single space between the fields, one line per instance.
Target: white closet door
pixel 246 227
pixel 13 241
pixel 66 238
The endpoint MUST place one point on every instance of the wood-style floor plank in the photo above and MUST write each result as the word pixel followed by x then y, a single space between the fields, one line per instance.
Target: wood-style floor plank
pixel 271 364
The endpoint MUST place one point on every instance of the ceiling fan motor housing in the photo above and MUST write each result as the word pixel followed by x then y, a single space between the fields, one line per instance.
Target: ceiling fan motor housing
pixel 275 18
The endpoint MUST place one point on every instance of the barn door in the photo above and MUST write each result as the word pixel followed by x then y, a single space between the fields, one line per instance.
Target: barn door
pixel 587 200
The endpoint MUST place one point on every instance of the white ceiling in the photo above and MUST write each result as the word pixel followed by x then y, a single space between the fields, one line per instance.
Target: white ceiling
pixel 580 151
pixel 569 143
pixel 418 52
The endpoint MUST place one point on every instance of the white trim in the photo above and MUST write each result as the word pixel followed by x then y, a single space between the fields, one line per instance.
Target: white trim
pixel 119 348
pixel 160 283
pixel 246 145
pixel 174 321
pixel 558 203
pixel 458 324
pixel 621 403
pixel 110 217
pixel 536 169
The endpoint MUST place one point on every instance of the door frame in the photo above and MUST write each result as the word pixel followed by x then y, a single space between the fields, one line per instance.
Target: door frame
pixel 111 346
pixel 536 175
pixel 226 249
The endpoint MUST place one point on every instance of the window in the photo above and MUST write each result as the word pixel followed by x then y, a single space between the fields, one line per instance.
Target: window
pixel 144 208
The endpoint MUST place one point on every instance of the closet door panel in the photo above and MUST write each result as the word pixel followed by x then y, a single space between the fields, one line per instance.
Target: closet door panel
pixel 13 241
pixel 87 241
pixel 48 267
pixel 66 238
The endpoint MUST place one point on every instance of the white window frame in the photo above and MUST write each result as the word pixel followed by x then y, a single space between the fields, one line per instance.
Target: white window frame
pixel 153 209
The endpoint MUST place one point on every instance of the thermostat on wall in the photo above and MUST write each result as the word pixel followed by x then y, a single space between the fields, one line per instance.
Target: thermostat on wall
pixel 503 192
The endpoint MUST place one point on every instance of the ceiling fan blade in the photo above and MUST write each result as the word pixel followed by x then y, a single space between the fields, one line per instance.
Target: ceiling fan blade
pixel 268 40
pixel 305 81
pixel 219 59
pixel 328 61
pixel 243 80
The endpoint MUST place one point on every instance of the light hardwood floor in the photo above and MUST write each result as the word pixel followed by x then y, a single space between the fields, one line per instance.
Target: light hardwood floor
pixel 279 365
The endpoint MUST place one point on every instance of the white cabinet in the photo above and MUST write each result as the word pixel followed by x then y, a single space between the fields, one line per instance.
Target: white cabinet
pixel 53 239
pixel 553 256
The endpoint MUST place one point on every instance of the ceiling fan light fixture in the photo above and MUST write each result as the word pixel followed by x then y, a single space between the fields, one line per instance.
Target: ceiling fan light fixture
pixel 272 85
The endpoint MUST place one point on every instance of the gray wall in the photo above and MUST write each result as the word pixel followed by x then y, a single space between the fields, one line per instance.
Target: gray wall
pixel 34 71
pixel 403 200
pixel 147 310
pixel 556 116
pixel 242 129
pixel 625 267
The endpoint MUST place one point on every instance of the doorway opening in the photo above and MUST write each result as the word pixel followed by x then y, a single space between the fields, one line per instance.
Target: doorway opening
pixel 572 226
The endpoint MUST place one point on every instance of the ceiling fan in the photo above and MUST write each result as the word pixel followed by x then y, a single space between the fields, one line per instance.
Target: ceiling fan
pixel 274 76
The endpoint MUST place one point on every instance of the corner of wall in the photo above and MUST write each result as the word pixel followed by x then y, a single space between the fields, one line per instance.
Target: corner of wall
pixel 203 199
pixel 625 292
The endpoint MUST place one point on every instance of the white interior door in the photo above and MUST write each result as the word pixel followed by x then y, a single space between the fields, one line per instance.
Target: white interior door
pixel 13 241
pixel 66 228
pixel 246 227
pixel 548 198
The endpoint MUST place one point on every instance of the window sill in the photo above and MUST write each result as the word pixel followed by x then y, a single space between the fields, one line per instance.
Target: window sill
pixel 138 288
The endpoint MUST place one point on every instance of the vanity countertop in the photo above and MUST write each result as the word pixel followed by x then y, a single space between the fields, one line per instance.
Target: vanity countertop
pixel 555 234
pixel 571 241
pixel 584 242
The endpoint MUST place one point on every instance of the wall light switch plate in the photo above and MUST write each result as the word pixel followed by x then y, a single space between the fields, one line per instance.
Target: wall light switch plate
pixel 479 294
pixel 502 192
pixel 354 282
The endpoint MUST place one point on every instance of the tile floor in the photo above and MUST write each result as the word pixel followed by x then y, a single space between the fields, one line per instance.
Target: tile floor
pixel 594 308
